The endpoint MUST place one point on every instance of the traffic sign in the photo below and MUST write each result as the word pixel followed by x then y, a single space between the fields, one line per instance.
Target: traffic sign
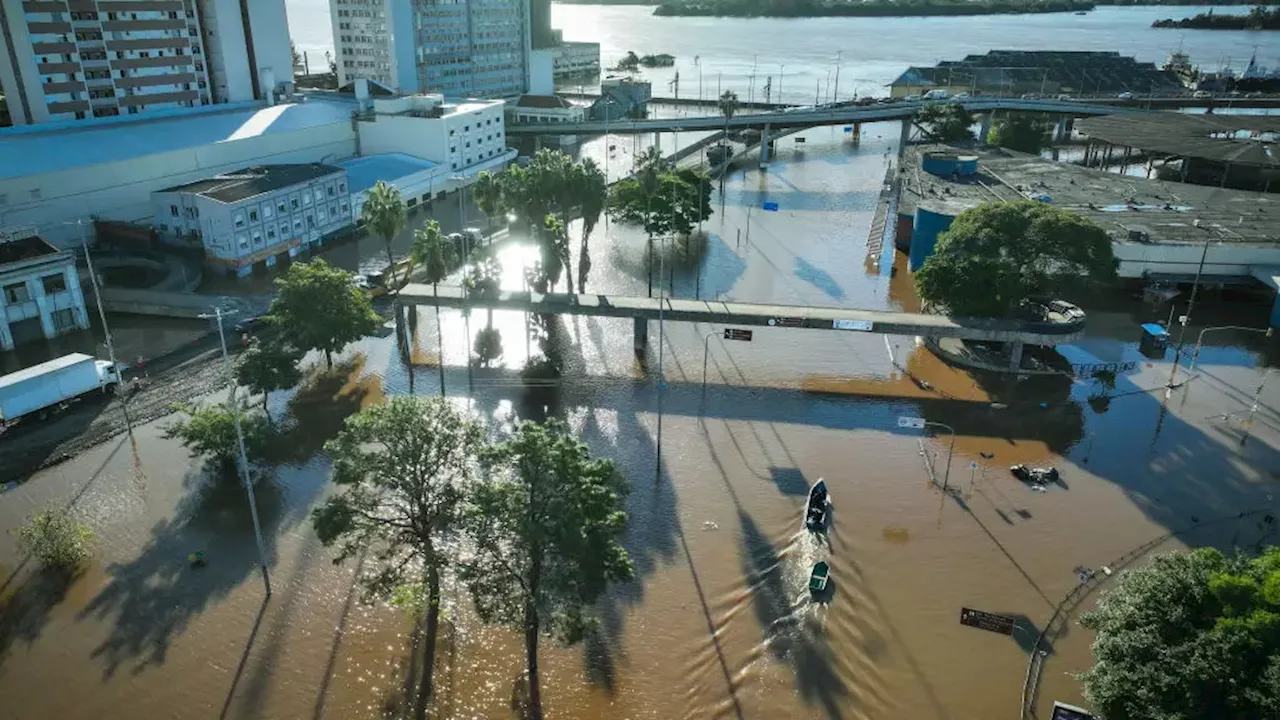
pixel 1063 711
pixel 786 322
pixel 973 465
pixel 858 325
pixel 911 422
pixel 770 206
pixel 737 334
pixel 993 622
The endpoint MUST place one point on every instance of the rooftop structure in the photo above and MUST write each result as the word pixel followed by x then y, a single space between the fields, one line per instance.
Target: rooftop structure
pixel 458 135
pixel 476 49
pixel 364 172
pixel 103 58
pixel 253 181
pixel 1158 228
pixel 39 289
pixel 1018 72
pixel 1235 139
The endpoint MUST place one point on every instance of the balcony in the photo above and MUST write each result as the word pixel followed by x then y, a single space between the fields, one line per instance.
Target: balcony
pixel 57 88
pixel 132 25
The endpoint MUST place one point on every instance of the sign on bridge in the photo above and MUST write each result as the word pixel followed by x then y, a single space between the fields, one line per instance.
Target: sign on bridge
pixel 858 325
pixel 992 622
pixel 737 334
pixel 911 422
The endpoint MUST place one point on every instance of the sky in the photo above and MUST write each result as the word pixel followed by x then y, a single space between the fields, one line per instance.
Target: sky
pixel 310 29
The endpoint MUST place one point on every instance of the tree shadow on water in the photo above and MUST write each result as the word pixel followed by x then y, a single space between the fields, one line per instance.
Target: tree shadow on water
pixel 25 609
pixel 152 598
pixel 320 407
pixel 787 633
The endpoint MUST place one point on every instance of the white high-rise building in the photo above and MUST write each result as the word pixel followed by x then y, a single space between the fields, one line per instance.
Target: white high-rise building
pixel 82 59
pixel 478 48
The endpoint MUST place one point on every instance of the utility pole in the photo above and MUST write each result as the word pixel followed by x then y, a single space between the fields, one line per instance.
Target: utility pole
pixel 835 95
pixel 102 316
pixel 662 340
pixel 244 458
pixel 1191 303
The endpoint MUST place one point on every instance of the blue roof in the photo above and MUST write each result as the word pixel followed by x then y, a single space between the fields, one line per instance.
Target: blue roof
pixel 1154 329
pixel 364 172
pixel 65 148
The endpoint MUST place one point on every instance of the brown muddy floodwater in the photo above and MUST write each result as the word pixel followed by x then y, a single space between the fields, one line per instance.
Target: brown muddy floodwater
pixel 718 622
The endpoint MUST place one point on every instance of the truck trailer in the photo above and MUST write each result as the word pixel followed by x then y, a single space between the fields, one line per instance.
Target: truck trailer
pixel 43 388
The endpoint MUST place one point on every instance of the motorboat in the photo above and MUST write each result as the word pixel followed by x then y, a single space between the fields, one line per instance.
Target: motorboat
pixel 815 511
pixel 819 577
pixel 1035 476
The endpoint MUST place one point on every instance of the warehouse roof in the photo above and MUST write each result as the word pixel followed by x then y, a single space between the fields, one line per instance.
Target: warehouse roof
pixel 1237 139
pixel 252 181
pixel 36 151
pixel 1053 70
pixel 364 172
pixel 1127 207
pixel 24 249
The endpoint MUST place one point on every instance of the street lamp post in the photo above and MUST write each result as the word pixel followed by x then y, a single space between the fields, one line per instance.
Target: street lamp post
pixel 657 466
pixel 706 347
pixel 244 458
pixel 920 424
pixel 1191 303
pixel 1200 338
pixel 102 317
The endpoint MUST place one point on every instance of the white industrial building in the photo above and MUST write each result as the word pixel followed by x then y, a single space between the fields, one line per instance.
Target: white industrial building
pixel 576 58
pixel 539 109
pixel 454 135
pixel 254 216
pixel 475 49
pixel 39 289
pixel 71 62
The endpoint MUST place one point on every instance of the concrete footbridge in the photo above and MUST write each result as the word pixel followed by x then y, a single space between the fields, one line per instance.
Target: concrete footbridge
pixel 643 309
pixel 820 115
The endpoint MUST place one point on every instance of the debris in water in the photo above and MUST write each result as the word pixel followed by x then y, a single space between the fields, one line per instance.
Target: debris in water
pixel 709 525
pixel 8 486
pixel 896 535
pixel 196 559
pixel 986 455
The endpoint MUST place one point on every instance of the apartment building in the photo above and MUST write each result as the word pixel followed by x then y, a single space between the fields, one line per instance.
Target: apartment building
pixel 256 215
pixel 475 49
pixel 66 60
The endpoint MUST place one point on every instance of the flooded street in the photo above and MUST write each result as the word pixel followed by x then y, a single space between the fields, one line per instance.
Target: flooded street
pixel 718 622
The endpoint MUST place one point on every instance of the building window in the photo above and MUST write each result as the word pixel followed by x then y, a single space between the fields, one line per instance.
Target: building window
pixel 16 293
pixel 306 199
pixel 284 230
pixel 54 283
pixel 280 206
pixel 293 202
pixel 173 210
pixel 257 238
pixel 253 216
pixel 331 191
pixel 239 220
pixel 342 187
pixel 64 319
pixel 266 210
pixel 271 233
pixel 297 226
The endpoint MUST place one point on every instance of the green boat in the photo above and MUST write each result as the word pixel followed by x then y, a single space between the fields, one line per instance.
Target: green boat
pixel 818 578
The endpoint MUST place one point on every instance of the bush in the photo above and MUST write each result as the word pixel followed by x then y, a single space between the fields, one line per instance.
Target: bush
pixel 57 540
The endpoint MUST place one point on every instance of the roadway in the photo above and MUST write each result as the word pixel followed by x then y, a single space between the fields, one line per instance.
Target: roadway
pixel 824 115
pixel 750 314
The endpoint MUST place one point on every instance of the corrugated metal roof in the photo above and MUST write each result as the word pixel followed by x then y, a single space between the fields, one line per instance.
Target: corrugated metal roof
pixel 1224 138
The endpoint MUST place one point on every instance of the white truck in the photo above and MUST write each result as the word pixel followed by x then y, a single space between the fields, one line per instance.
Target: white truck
pixel 42 388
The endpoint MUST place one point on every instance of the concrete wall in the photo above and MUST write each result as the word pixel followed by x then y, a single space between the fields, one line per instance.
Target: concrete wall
pixel 1232 259
pixel 122 190
pixel 430 139
pixel 225 49
pixel 269 24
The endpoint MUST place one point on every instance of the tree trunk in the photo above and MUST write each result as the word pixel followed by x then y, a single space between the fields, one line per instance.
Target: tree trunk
pixel 650 266
pixel 435 290
pixel 584 262
pixel 328 358
pixel 531 653
pixel 426 686
pixel 391 268
pixel 265 409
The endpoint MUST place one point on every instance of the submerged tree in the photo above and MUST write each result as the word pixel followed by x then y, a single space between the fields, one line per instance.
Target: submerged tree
pixel 403 468
pixel 1019 131
pixel 383 213
pixel 209 432
pixel 946 122
pixel 593 198
pixel 57 540
pixel 318 307
pixel 545 529
pixel 995 255
pixel 268 365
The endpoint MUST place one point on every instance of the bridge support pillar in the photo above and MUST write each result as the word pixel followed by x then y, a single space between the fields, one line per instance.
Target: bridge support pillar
pixel 764 145
pixel 985 131
pixel 1015 355
pixel 641 336
pixel 1060 131
pixel 905 138
pixel 857 134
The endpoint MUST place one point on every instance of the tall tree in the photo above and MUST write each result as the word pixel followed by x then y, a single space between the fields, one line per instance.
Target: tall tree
pixel 437 255
pixel 545 529
pixel 1019 131
pixel 318 307
pixel 728 105
pixel 946 122
pixel 209 432
pixel 383 213
pixel 267 365
pixel 995 255
pixel 592 200
pixel 488 196
pixel 1192 636
pixel 403 468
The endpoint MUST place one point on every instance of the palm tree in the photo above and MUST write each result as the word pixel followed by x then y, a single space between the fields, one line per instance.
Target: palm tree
pixel 728 104
pixel 437 256
pixel 593 194
pixel 486 191
pixel 384 215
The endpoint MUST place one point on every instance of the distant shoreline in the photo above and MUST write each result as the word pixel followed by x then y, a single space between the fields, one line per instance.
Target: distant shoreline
pixel 1259 18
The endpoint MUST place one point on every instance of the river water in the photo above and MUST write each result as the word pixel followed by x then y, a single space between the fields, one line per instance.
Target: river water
pixel 718 622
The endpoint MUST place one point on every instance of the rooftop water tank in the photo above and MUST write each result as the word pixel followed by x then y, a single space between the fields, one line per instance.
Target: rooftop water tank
pixel 948 164
pixel 932 219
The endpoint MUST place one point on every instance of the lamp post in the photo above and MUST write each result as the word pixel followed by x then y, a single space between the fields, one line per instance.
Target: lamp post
pixel 244 459
pixel 1200 338
pixel 706 347
pixel 657 466
pixel 1191 303
pixel 919 424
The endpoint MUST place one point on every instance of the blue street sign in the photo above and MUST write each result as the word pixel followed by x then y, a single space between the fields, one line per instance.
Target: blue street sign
pixel 848 128
pixel 771 206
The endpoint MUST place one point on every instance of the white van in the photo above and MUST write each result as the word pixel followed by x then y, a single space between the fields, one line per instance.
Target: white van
pixel 936 95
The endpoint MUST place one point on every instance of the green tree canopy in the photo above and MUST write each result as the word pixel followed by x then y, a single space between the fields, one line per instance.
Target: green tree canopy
pixel 57 540
pixel 593 196
pixel 433 251
pixel 403 469
pixel 318 307
pixel 268 365
pixel 1192 636
pixel 545 528
pixel 209 431
pixel 487 193
pixel 997 254
pixel 946 121
pixel 1019 131
pixel 383 213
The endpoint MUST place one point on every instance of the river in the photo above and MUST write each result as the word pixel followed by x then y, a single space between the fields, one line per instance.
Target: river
pixel 801 54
